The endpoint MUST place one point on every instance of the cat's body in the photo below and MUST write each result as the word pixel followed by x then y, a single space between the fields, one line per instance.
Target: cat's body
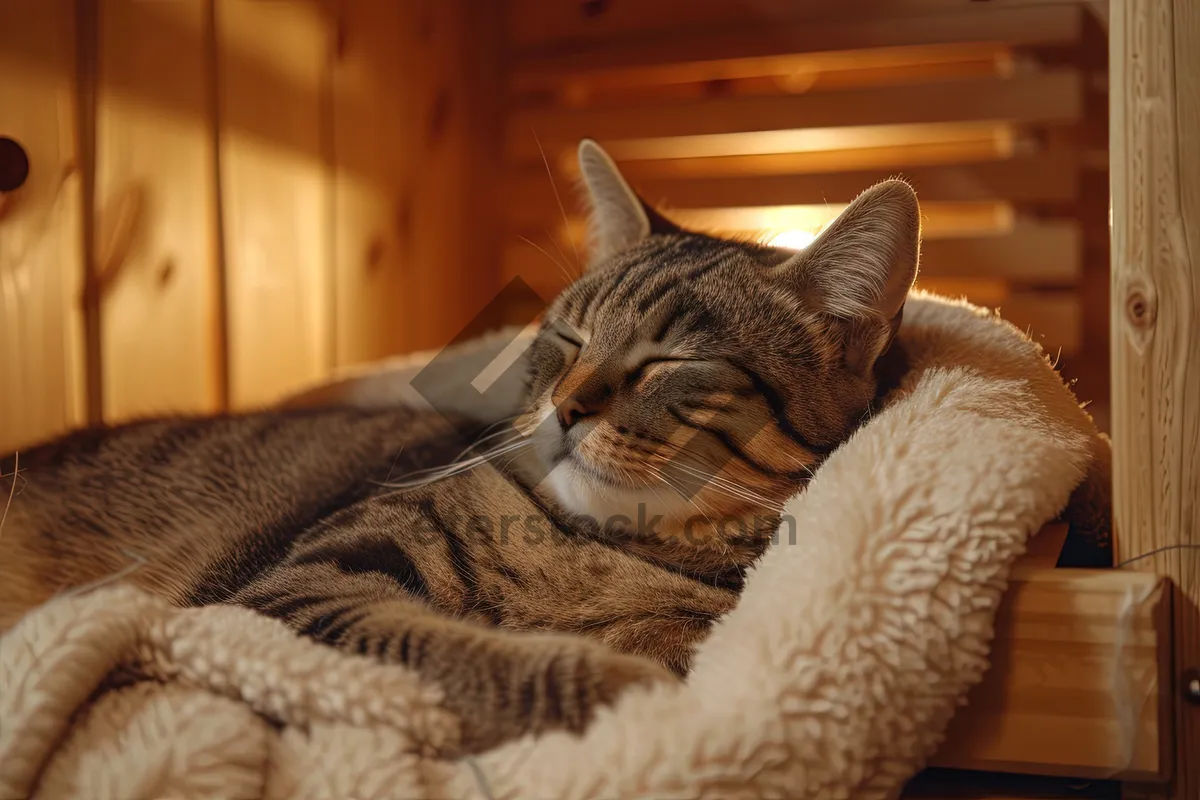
pixel 289 513
pixel 679 394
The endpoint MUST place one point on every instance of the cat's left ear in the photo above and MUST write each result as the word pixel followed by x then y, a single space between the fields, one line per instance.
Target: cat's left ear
pixel 619 218
pixel 860 269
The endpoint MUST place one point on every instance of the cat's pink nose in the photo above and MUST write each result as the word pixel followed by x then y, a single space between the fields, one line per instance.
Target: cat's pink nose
pixel 571 411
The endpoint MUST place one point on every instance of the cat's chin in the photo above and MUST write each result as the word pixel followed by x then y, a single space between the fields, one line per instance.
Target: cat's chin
pixel 580 491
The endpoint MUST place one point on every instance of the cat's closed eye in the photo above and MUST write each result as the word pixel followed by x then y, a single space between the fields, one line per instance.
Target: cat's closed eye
pixel 649 366
pixel 567 338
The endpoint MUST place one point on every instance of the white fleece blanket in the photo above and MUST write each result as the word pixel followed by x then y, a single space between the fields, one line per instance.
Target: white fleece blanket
pixel 834 677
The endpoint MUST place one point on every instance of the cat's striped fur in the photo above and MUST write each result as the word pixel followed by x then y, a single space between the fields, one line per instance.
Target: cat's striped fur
pixel 688 381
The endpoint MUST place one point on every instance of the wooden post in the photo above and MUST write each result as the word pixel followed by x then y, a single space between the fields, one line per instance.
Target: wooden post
pixel 1155 160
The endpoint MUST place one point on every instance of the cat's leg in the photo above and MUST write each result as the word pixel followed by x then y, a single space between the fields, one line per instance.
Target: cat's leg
pixel 630 605
pixel 661 617
pixel 502 684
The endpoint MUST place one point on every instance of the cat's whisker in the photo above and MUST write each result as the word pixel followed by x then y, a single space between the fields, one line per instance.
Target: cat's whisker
pixel 558 198
pixel 490 435
pixel 723 486
pixel 675 453
pixel 454 462
pixel 554 241
pixel 712 473
pixel 543 251
pixel 516 454
pixel 654 473
pixel 441 473
pixel 713 477
pixel 11 489
pixel 681 492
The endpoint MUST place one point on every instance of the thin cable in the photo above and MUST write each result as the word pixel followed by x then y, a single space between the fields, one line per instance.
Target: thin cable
pixel 1164 549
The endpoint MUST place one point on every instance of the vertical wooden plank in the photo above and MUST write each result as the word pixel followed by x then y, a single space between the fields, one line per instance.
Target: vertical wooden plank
pixel 437 197
pixel 41 267
pixel 484 77
pixel 157 251
pixel 1155 167
pixel 374 193
pixel 272 65
pixel 409 230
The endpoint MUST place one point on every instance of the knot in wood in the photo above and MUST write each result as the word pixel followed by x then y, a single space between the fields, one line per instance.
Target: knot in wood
pixel 376 250
pixel 166 271
pixel 1140 308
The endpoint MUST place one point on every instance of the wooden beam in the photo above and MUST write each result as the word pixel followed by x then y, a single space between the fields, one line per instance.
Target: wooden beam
pixel 1042 178
pixel 568 75
pixel 1079 667
pixel 807 142
pixel 1154 79
pixel 558 35
pixel 771 76
pixel 1051 97
pixel 979 143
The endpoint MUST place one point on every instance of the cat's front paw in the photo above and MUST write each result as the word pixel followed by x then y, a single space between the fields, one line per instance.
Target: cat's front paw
pixel 597 677
pixel 615 673
pixel 538 683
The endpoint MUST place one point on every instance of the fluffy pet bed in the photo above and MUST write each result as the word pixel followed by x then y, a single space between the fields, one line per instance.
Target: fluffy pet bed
pixel 833 678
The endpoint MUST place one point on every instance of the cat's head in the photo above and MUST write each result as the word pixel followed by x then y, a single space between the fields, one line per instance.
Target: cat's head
pixel 704 376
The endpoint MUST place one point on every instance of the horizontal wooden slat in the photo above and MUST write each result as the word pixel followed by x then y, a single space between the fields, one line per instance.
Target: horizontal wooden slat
pixel 801 141
pixel 939 220
pixel 1048 178
pixel 570 75
pixel 979 143
pixel 772 76
pixel 654 31
pixel 764 223
pixel 1041 252
pixel 1078 677
pixel 1039 178
pixel 1051 97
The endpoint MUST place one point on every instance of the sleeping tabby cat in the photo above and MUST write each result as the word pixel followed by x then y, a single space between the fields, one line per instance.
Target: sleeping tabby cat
pixel 689 382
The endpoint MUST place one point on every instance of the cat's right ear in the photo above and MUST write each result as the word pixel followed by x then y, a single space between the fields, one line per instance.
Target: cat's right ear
pixel 619 219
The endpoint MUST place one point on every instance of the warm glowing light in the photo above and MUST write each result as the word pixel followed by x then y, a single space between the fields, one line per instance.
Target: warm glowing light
pixel 793 240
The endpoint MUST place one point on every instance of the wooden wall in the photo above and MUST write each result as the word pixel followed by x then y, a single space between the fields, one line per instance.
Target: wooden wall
pixel 229 199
